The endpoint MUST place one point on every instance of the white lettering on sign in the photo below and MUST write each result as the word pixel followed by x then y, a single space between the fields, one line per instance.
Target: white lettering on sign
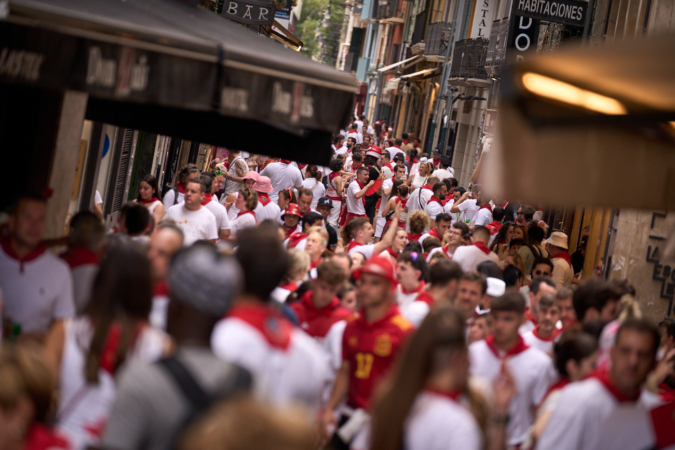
pixel 232 8
pixel 247 14
pixel 307 106
pixel 139 74
pixel 100 71
pixel 234 98
pixel 522 41
pixel 263 14
pixel 20 64
pixel 552 9
pixel 482 19
pixel 281 101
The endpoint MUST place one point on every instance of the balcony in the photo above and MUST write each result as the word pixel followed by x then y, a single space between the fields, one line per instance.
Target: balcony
pixel 468 60
pixel 437 38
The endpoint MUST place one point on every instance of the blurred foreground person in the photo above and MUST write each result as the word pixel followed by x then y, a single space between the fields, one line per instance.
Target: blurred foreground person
pixel 36 285
pixel 88 351
pixel 369 345
pixel 164 243
pixel 428 403
pixel 582 406
pixel 287 364
pixel 243 424
pixel 151 406
pixel 26 387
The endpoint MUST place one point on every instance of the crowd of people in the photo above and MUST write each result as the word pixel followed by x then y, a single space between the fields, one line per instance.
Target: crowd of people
pixel 370 304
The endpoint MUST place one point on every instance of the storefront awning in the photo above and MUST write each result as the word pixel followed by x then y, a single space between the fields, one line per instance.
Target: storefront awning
pixel 174 59
pixel 422 74
pixel 590 126
pixel 401 65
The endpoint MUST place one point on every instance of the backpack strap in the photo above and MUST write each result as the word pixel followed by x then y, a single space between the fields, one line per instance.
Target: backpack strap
pixel 193 392
pixel 175 196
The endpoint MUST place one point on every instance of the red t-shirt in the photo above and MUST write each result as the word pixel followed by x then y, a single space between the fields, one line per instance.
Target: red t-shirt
pixel 317 322
pixel 370 349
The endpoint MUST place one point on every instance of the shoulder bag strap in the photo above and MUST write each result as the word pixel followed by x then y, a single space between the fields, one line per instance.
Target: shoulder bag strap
pixel 193 392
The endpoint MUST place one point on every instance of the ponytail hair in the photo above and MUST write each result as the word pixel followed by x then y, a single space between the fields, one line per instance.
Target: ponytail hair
pixel 313 172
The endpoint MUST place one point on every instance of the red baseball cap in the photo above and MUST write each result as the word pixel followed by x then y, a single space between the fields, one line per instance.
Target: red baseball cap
pixel 379 266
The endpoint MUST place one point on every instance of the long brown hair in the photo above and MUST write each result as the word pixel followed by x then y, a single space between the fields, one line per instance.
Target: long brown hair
pixel 121 295
pixel 431 348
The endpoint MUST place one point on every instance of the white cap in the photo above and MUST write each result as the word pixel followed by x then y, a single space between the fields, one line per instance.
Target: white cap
pixel 495 287
pixel 424 159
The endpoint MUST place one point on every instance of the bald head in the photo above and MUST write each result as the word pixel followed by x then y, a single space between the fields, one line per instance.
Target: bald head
pixel 481 234
pixel 164 243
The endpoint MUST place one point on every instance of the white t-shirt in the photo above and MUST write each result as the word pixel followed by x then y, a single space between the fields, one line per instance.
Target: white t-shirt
pixel 468 209
pixel 269 211
pixel 242 222
pixel 533 373
pixel 442 174
pixel 365 250
pixel 482 217
pixel 341 151
pixel 298 373
pixel 581 408
pixel 355 205
pixel 36 292
pixel 220 213
pixel 357 136
pixel 317 188
pixel 433 209
pixel 282 176
pixel 393 151
pixel 196 225
pixel 170 199
pixel 447 207
pixel 545 345
pixel 469 256
pixel 416 202
pixel 386 184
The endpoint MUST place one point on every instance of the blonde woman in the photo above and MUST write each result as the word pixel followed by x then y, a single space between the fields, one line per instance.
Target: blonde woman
pixel 246 202
pixel 416 181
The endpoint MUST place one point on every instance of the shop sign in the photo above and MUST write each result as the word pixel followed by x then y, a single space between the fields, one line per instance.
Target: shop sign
pixel 482 19
pixel 569 12
pixel 250 12
pixel 523 34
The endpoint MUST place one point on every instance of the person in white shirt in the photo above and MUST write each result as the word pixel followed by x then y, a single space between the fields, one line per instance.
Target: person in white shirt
pixel 457 232
pixel 37 286
pixel 466 206
pixel 164 243
pixel 539 287
pixel 196 221
pixel 544 334
pixel 288 365
pixel 387 187
pixel 246 202
pixel 454 194
pixel 437 413
pixel 237 169
pixel 266 209
pixel 434 206
pixel 313 182
pixel 355 133
pixel 444 170
pixel 177 195
pixel 582 406
pixel 283 175
pixel 356 191
pixel 484 214
pixel 411 271
pixel 469 256
pixel 385 163
pixel 337 142
pixel 358 232
pixel 420 197
pixel 531 368
pixel 335 191
pixel 556 246
pixel 98 204
pixel 471 292
pixel 148 196
pixel 218 210
pixel 439 228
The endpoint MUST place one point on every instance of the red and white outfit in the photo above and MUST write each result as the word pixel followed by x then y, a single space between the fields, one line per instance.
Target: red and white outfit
pixel 483 216
pixel 419 199
pixel 582 407
pixel 443 249
pixel 151 204
pixel 288 365
pixel 431 233
pixel 405 298
pixel 244 219
pixel 296 240
pixel 562 274
pixel 468 209
pixel 83 268
pixel 219 212
pixel 356 207
pixel 331 193
pixel 365 249
pixel 281 293
pixel 317 322
pixel 434 207
pixel 283 175
pixel 532 371
pixel 381 220
pixel 416 311
pixel 84 407
pixel 403 218
pixel 266 209
pixel 469 256
pixel 534 339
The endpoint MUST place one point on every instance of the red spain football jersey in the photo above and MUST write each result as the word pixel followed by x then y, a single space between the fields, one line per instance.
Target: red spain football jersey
pixel 370 349
pixel 316 322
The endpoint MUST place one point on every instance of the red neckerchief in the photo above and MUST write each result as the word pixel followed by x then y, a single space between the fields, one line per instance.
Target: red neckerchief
pixel 530 317
pixel 207 199
pixel 434 233
pixel 152 200
pixel 405 142
pixel 445 250
pixel 425 297
pixel 426 186
pixel 417 289
pixel 494 227
pixel 563 255
pixel 662 422
pixel 434 199
pixel 161 289
pixel 363 199
pixel 40 437
pixel 506 202
pixel 542 338
pixel 520 347
pixel 79 256
pixel 414 237
pixel 561 383
pixel 295 238
pixel 482 247
pixel 181 187
pixel 110 352
pixel 264 199
pixel 486 206
pixel 352 244
pixel 276 329
pixel 436 162
pixel 402 201
pixel 396 146
pixel 411 162
pixel 312 311
pixel 302 166
pixel 290 287
pixel 248 211
pixel 452 395
pixel 604 378
pixel 285 161
pixel 357 168
pixel 391 252
pixel 289 232
pixel 267 162
pixel 7 247
pixel 315 264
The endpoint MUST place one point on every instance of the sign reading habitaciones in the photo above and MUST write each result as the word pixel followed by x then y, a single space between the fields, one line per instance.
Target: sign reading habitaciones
pixel 568 12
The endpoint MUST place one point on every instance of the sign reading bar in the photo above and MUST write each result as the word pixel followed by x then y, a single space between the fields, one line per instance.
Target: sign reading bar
pixel 569 12
pixel 250 12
